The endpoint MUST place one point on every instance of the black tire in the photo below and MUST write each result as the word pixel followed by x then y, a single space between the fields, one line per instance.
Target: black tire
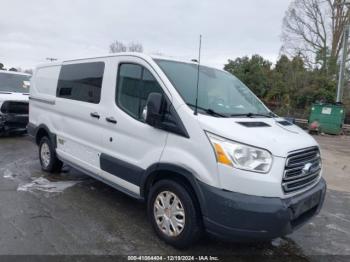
pixel 54 164
pixel 193 220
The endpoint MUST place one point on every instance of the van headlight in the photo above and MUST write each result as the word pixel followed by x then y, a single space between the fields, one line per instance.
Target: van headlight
pixel 241 156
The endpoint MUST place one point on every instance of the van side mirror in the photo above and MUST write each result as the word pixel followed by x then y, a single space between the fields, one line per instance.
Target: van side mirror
pixel 26 84
pixel 153 111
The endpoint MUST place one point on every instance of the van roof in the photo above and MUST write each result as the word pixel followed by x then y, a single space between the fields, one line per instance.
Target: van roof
pixel 13 73
pixel 135 54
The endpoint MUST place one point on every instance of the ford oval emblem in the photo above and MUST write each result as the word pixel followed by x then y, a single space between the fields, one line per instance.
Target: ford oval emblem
pixel 307 168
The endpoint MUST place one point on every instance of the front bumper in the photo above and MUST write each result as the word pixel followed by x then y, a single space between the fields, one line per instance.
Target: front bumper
pixel 13 122
pixel 240 217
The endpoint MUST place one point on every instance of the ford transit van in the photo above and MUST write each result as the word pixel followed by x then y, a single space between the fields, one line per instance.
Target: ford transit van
pixel 216 161
pixel 14 94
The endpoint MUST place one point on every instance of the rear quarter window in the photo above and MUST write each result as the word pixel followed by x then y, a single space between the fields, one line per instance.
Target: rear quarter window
pixel 45 80
pixel 81 82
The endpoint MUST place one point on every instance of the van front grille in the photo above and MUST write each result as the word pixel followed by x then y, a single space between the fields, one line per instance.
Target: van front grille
pixel 303 169
pixel 14 107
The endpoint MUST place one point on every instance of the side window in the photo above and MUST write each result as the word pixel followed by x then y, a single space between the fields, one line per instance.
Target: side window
pixel 134 84
pixel 82 82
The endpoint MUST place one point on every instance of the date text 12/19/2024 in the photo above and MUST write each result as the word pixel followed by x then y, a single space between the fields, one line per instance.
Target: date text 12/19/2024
pixel 173 258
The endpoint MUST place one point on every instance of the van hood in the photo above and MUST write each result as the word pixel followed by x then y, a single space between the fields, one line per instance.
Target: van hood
pixel 273 134
pixel 8 96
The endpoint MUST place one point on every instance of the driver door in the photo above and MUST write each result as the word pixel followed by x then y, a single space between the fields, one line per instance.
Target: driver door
pixel 130 145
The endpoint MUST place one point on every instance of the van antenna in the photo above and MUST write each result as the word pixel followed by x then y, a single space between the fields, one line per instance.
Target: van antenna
pixel 198 68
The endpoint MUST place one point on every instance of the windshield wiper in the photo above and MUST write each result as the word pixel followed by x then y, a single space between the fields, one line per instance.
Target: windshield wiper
pixel 268 115
pixel 209 111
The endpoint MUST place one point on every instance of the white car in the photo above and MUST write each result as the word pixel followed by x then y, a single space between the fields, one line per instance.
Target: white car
pixel 14 97
pixel 219 161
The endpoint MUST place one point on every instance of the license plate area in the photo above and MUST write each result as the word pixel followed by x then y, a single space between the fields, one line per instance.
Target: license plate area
pixel 21 119
pixel 306 205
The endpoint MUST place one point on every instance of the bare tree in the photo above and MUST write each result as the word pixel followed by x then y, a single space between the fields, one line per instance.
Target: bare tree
pixel 117 47
pixel 28 71
pixel 314 30
pixel 135 47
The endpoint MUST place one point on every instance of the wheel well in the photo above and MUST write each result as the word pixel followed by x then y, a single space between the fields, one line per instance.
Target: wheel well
pixel 40 134
pixel 159 175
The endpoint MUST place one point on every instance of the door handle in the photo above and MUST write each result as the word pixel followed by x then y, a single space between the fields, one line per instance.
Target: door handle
pixel 111 120
pixel 95 115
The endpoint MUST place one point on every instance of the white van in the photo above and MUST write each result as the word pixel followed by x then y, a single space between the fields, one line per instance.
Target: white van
pixel 14 96
pixel 231 168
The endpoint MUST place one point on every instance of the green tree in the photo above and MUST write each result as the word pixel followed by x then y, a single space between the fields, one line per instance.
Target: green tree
pixel 289 76
pixel 280 89
pixel 288 87
pixel 255 72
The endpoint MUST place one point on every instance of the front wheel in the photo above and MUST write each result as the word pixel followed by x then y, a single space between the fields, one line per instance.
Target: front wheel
pixel 174 214
pixel 47 155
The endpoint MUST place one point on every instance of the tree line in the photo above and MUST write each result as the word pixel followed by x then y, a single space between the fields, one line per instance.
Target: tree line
pixel 288 87
pixel 13 69
pixel 307 69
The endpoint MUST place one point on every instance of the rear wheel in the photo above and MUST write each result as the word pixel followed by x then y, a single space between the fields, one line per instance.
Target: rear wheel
pixel 47 155
pixel 174 214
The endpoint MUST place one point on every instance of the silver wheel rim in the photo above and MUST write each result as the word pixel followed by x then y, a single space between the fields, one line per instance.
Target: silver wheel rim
pixel 45 155
pixel 169 213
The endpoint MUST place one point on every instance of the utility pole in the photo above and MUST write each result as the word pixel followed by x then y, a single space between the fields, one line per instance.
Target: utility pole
pixel 343 58
pixel 51 59
pixel 342 65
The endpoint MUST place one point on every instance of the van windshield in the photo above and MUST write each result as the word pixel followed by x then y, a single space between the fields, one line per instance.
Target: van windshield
pixel 219 92
pixel 14 83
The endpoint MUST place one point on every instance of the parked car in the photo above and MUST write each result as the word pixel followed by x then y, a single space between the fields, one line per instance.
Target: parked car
pixel 227 166
pixel 14 94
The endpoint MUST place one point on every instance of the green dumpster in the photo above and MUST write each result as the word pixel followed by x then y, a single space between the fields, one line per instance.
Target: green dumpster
pixel 327 118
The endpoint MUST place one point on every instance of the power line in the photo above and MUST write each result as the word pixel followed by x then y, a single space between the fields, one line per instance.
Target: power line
pixel 51 59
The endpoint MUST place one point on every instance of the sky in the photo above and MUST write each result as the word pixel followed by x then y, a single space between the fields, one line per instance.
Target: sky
pixel 33 30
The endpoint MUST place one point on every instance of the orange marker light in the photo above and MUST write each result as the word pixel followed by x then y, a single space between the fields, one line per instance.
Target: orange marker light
pixel 221 156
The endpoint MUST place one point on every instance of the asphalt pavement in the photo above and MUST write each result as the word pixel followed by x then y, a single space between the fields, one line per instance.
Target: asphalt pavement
pixel 73 214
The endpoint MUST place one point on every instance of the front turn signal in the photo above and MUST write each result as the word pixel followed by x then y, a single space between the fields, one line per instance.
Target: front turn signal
pixel 221 155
